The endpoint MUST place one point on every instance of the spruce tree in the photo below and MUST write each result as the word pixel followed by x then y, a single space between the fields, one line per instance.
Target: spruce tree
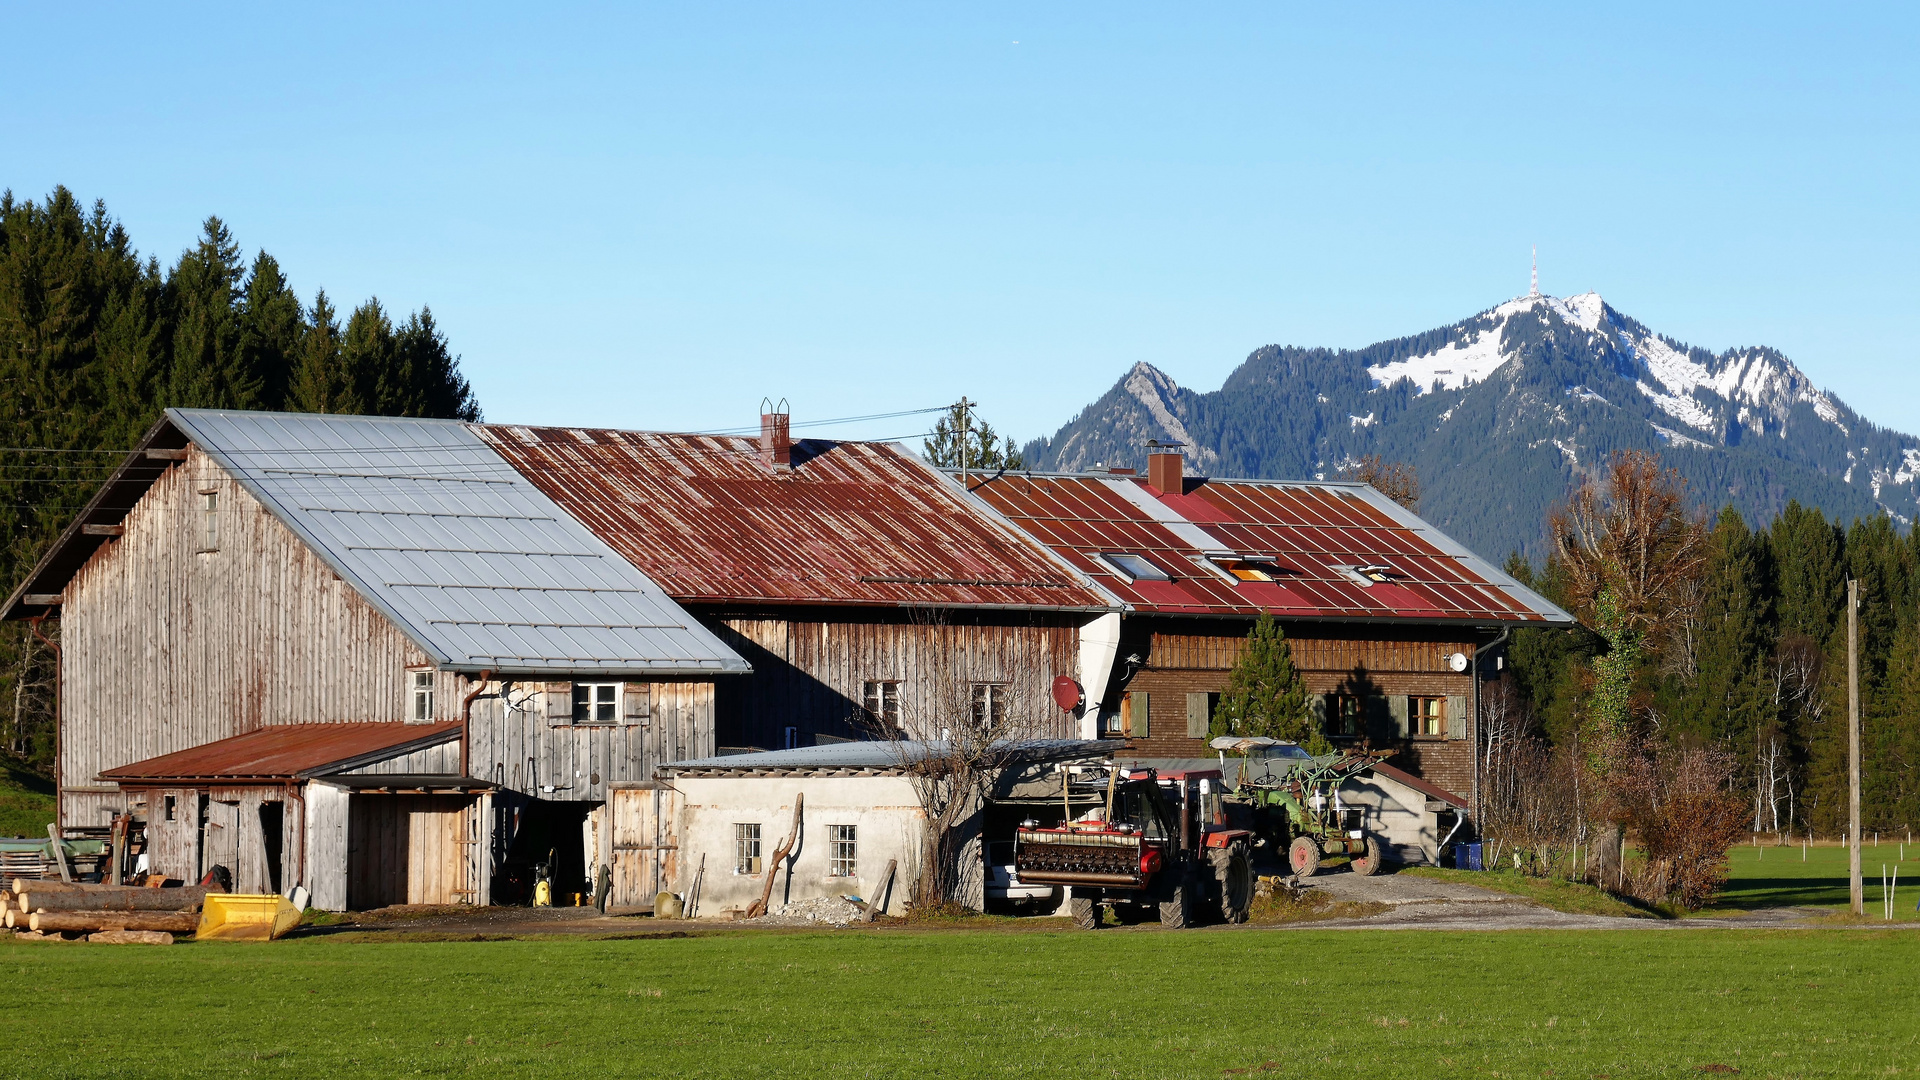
pixel 209 361
pixel 271 324
pixel 321 382
pixel 960 438
pixel 1725 700
pixel 424 378
pixel 1264 694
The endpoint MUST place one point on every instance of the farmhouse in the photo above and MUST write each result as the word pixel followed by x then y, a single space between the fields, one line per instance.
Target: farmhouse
pixel 344 652
pixel 1391 622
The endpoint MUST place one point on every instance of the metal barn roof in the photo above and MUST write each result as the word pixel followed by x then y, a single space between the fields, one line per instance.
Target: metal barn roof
pixel 1334 551
pixel 287 752
pixel 473 562
pixel 850 523
pixel 880 756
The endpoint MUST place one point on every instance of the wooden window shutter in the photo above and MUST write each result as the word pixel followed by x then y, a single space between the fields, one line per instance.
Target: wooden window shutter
pixel 1457 717
pixel 1319 709
pixel 637 702
pixel 1139 717
pixel 1396 708
pixel 1197 719
pixel 559 701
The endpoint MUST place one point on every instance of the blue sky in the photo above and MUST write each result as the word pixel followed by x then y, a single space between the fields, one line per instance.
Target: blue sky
pixel 654 217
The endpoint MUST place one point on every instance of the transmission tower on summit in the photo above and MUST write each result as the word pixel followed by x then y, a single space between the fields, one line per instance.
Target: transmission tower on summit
pixel 1535 290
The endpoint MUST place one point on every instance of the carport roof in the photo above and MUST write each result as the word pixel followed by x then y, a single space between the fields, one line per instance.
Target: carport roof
pixel 875 757
pixel 285 752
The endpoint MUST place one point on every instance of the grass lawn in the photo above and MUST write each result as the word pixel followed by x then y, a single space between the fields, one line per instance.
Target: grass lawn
pixel 1779 877
pixel 26 801
pixel 1576 897
pixel 960 1003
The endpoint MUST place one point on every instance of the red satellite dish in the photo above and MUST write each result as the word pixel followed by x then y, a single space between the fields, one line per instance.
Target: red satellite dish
pixel 1066 693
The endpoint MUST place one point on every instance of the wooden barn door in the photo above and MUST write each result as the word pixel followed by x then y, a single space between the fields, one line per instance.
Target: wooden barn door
pixel 437 849
pixel 376 852
pixel 646 846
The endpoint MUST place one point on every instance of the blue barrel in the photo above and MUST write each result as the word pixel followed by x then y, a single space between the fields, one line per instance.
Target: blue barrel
pixel 1467 857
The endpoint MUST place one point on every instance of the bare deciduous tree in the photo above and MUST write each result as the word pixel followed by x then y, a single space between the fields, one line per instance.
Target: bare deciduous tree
pixel 1629 532
pixel 1397 480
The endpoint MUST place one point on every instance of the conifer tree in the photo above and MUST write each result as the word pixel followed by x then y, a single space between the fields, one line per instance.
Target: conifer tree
pixel 962 438
pixel 270 329
pixel 321 382
pixel 1724 700
pixel 1264 694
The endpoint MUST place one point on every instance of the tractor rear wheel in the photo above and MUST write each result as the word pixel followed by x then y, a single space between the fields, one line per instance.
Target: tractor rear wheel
pixel 1304 856
pixel 1369 864
pixel 1234 871
pixel 1086 913
pixel 1174 912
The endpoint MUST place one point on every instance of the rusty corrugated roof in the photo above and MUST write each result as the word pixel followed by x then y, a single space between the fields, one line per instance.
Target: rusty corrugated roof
pixel 1313 536
pixel 286 752
pixel 850 523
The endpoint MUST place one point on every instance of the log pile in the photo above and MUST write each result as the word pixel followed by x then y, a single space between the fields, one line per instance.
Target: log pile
pixel 108 913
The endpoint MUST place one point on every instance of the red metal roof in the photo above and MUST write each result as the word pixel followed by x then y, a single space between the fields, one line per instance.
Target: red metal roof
pixel 286 752
pixel 849 523
pixel 1313 533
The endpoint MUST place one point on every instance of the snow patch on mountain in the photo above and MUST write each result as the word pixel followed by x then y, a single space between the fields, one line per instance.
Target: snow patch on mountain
pixel 1674 438
pixel 1681 407
pixel 1474 358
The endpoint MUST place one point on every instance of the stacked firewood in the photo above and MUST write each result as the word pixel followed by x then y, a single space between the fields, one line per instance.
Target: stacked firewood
pixel 102 912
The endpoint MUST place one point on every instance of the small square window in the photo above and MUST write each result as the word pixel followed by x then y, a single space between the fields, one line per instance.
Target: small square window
pixel 842 851
pixel 1429 717
pixel 210 516
pixel 596 702
pixel 989 705
pixel 746 848
pixel 1346 716
pixel 420 683
pixel 789 738
pixel 171 805
pixel 882 702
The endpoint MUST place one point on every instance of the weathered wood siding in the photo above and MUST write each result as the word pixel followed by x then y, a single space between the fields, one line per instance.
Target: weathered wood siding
pixel 410 849
pixel 518 745
pixel 811 673
pixel 441 760
pixel 166 646
pixel 326 858
pixel 645 852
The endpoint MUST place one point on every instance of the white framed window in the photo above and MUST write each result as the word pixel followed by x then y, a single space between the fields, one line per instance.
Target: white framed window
pixel 746 848
pixel 843 851
pixel 882 702
pixel 596 703
pixel 210 520
pixel 1133 567
pixel 989 704
pixel 420 695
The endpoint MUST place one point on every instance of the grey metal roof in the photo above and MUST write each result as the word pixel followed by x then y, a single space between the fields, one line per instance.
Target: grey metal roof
pixel 467 557
pixel 884 755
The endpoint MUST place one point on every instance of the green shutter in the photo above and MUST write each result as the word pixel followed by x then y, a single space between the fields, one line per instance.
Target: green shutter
pixel 1457 717
pixel 1198 721
pixel 1397 707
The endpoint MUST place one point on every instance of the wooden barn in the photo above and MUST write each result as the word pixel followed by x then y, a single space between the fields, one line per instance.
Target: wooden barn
pixel 1390 621
pixel 365 655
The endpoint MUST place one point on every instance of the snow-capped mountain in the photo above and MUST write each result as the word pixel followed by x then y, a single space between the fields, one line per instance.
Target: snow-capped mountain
pixel 1502 410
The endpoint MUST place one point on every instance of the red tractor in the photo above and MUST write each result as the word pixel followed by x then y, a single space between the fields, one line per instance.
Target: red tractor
pixel 1156 844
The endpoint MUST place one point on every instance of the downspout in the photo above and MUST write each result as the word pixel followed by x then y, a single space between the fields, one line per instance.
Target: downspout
pixel 1473 799
pixel 59 708
pixel 466 719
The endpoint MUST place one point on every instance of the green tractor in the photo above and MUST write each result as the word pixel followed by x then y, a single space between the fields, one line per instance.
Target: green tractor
pixel 1295 802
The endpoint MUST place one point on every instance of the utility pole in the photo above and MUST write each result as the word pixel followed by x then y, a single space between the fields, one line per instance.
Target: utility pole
pixel 1856 888
pixel 964 455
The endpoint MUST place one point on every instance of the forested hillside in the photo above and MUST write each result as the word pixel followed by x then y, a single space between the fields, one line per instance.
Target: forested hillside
pixel 1502 413
pixel 96 339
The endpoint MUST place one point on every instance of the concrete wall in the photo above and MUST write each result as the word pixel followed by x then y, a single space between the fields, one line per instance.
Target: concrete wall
pixel 1398 815
pixel 883 809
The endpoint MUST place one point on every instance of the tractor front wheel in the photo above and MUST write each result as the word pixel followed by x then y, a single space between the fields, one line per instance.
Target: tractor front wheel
pixel 1369 864
pixel 1304 856
pixel 1234 871
pixel 1086 913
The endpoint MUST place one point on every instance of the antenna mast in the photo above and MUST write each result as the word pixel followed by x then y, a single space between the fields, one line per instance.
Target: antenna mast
pixel 1535 290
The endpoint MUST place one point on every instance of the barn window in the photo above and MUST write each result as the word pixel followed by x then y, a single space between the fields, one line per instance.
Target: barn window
pixel 1346 716
pixel 210 520
pixel 882 702
pixel 842 851
pixel 596 702
pixel 1430 717
pixel 746 848
pixel 989 705
pixel 420 688
pixel 172 804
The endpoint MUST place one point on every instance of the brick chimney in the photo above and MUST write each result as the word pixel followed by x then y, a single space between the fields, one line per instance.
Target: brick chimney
pixel 776 445
pixel 1164 472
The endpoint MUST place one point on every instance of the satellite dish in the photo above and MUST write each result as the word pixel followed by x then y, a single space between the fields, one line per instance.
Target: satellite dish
pixel 1067 693
pixel 1458 661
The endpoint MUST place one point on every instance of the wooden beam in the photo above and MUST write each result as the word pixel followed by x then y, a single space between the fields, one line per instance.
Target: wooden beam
pixel 103 530
pixel 42 599
pixel 155 454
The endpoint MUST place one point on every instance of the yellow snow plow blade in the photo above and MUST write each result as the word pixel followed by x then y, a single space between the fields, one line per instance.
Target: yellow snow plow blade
pixel 240 917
